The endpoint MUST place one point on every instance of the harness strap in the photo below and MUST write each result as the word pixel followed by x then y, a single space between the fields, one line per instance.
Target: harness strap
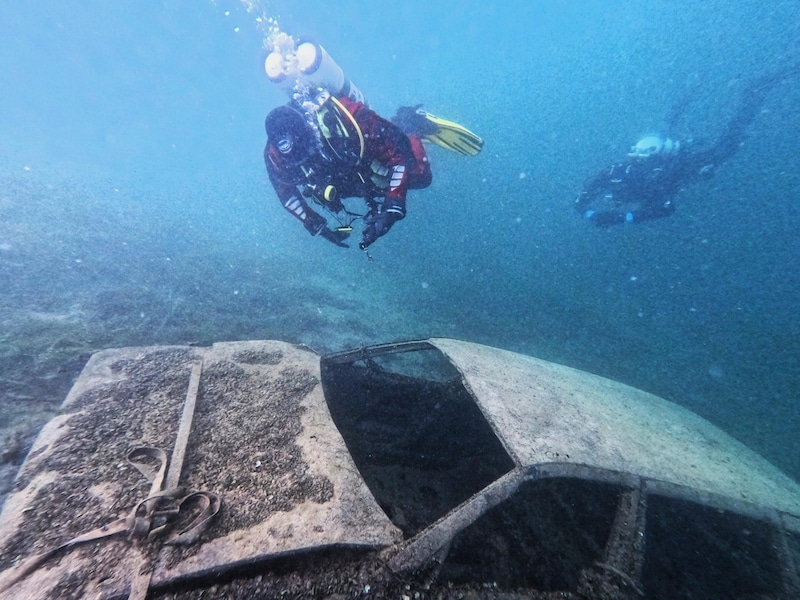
pixel 352 119
pixel 166 507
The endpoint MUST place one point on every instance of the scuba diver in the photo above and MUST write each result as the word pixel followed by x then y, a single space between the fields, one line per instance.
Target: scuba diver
pixel 644 186
pixel 326 145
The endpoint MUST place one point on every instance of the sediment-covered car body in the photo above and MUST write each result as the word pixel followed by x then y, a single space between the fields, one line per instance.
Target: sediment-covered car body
pixel 435 468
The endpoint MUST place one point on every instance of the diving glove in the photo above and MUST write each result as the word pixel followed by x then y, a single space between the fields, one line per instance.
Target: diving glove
pixel 378 224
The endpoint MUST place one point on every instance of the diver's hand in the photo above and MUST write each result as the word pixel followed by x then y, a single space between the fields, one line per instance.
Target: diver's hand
pixel 376 226
pixel 335 236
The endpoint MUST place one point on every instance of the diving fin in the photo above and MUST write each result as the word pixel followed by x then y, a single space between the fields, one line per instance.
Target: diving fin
pixel 448 135
pixel 453 136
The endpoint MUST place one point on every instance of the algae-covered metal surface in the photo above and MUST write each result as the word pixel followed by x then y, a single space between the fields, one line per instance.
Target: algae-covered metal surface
pixel 495 472
pixel 549 413
pixel 261 439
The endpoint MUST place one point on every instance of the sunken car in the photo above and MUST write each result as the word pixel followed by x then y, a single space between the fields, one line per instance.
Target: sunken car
pixel 435 468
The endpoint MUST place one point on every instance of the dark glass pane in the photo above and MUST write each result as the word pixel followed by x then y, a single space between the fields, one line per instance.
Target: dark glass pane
pixel 541 538
pixel 694 551
pixel 415 433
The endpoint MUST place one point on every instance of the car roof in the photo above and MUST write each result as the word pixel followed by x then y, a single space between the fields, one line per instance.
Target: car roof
pixel 270 436
pixel 550 413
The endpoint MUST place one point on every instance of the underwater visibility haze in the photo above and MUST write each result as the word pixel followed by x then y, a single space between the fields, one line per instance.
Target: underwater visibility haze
pixel 135 208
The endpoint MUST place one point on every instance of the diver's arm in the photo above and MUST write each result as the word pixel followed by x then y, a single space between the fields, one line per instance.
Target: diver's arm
pixel 314 223
pixel 292 200
pixel 599 185
pixel 389 146
pixel 296 205
pixel 752 99
pixel 647 212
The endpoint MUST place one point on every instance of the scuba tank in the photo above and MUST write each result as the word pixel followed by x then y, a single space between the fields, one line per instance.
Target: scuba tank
pixel 291 64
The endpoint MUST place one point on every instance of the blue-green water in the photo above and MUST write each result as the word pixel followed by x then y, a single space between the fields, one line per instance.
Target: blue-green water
pixel 135 209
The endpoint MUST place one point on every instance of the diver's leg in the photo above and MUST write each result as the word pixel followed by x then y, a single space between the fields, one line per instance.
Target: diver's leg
pixel 753 97
pixel 419 175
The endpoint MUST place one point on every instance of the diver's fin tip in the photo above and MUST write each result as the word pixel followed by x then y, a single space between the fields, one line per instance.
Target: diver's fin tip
pixel 453 137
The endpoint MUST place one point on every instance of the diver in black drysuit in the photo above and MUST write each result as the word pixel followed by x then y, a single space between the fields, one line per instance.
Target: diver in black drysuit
pixel 644 186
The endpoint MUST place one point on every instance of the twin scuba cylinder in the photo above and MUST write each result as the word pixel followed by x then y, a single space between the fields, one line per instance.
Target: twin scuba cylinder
pixel 305 64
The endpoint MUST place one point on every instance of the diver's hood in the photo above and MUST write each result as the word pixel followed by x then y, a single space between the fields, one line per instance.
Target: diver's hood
pixel 288 130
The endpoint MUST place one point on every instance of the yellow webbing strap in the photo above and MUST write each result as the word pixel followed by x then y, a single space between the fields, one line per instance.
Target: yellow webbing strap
pixel 341 107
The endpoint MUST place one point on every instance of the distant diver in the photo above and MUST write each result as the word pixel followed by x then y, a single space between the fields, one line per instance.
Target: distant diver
pixel 644 185
pixel 327 145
